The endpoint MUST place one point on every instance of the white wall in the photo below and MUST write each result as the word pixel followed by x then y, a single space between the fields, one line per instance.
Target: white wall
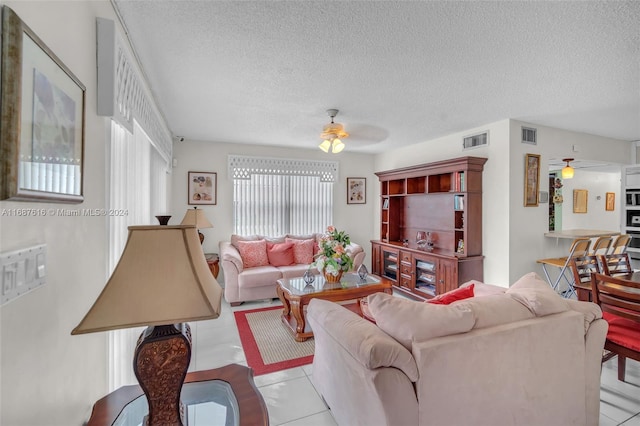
pixel 356 219
pixel 596 217
pixel 48 376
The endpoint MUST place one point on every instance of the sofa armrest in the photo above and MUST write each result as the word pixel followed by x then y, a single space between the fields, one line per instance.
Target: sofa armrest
pixel 590 311
pixel 360 339
pixel 230 257
pixel 357 253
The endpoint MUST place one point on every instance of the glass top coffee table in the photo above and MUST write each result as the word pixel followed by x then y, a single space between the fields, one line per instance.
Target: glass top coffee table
pixel 223 396
pixel 295 294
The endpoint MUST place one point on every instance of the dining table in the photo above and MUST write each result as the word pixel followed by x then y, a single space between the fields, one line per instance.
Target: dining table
pixel 583 291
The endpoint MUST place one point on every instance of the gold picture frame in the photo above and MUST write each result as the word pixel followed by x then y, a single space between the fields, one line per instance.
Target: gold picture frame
pixel 580 199
pixel 610 204
pixel 42 120
pixel 531 179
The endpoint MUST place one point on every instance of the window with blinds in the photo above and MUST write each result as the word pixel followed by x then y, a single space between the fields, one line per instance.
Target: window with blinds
pixel 276 197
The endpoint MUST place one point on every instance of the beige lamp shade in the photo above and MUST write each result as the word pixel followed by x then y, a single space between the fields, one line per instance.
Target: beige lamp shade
pixel 161 278
pixel 196 217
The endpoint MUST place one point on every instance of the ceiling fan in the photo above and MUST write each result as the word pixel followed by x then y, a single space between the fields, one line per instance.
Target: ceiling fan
pixel 332 135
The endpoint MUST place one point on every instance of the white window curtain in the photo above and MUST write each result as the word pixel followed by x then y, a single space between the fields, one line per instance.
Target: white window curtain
pixel 138 185
pixel 270 204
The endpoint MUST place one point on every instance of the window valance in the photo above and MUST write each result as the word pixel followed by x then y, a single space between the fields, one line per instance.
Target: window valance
pixel 242 167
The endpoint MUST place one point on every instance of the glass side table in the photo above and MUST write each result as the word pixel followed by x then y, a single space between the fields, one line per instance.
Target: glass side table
pixel 223 396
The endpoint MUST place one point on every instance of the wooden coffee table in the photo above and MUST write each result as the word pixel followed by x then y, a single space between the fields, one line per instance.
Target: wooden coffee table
pixel 295 294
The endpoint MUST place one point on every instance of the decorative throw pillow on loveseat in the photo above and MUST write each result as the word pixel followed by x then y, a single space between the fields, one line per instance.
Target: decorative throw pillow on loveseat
pixel 302 250
pixel 280 254
pixel 408 321
pixel 253 253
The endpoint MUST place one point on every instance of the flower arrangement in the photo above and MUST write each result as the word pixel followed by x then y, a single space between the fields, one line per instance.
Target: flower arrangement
pixel 332 258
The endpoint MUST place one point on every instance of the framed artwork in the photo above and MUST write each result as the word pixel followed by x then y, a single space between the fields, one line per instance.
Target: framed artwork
pixel 42 116
pixel 580 200
pixel 531 179
pixel 610 203
pixel 356 190
pixel 202 188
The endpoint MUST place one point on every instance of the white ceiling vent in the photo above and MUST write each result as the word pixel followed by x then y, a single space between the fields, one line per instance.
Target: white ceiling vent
pixel 529 135
pixel 474 141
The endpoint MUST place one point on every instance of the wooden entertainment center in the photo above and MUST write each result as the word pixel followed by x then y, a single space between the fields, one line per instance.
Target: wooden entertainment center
pixel 443 198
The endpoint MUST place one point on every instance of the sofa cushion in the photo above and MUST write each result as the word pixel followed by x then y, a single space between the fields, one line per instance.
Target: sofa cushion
pixel 314 237
pixel 280 254
pixel 259 276
pixel 295 270
pixel 453 295
pixel 408 321
pixel 534 293
pixel 235 238
pixel 495 309
pixel 253 253
pixel 361 339
pixel 484 289
pixel 302 250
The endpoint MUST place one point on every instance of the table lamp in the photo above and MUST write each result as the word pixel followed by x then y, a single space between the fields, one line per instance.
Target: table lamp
pixel 196 217
pixel 162 280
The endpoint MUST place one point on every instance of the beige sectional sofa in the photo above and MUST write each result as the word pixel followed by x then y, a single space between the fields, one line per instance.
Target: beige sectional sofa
pixel 242 283
pixel 517 356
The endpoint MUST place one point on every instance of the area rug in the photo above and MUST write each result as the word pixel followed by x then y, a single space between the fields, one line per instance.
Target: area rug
pixel 268 344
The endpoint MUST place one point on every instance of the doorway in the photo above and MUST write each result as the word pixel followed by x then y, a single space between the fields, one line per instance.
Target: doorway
pixel 555 202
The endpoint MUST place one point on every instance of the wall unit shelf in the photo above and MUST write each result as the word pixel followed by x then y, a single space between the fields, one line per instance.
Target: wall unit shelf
pixel 445 199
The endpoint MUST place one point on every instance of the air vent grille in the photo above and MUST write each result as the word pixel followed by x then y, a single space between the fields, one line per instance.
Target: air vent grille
pixel 530 136
pixel 474 141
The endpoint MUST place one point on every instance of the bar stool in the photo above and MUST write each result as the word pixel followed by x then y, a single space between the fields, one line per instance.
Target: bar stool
pixel 579 247
pixel 620 244
pixel 601 246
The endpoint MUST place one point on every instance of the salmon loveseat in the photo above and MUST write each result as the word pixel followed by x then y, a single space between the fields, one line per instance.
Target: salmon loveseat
pixel 524 356
pixel 254 276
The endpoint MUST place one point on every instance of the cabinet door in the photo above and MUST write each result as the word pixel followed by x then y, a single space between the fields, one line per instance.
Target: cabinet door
pixel 425 272
pixel 390 263
pixel 375 259
pixel 447 275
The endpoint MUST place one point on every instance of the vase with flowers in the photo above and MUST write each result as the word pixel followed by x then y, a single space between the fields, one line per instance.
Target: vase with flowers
pixel 332 259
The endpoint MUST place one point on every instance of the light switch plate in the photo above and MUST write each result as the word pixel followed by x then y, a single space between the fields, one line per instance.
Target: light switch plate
pixel 22 271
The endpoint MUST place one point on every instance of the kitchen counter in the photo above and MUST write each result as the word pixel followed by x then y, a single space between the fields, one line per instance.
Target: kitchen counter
pixel 580 233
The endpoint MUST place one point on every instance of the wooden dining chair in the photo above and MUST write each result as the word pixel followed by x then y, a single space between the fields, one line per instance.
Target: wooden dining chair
pixel 582 268
pixel 616 264
pixel 620 244
pixel 601 245
pixel 619 300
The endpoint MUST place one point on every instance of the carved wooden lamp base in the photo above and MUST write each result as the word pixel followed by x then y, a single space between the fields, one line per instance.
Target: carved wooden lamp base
pixel 161 360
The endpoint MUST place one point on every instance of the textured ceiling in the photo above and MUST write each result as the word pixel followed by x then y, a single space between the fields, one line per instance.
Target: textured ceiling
pixel 400 72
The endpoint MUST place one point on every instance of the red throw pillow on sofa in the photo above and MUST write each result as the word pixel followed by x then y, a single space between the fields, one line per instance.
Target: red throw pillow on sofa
pixel 280 254
pixel 253 253
pixel 453 295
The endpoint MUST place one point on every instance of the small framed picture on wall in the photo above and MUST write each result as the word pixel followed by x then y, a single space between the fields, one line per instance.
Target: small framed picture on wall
pixel 202 188
pixel 356 190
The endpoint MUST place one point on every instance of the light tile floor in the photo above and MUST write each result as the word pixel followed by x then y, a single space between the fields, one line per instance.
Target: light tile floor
pixel 292 400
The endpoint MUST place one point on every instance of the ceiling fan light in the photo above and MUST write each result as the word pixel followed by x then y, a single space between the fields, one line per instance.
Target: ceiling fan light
pixel 325 145
pixel 337 146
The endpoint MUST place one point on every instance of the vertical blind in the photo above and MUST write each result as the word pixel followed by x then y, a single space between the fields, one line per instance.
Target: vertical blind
pixel 273 204
pixel 138 188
